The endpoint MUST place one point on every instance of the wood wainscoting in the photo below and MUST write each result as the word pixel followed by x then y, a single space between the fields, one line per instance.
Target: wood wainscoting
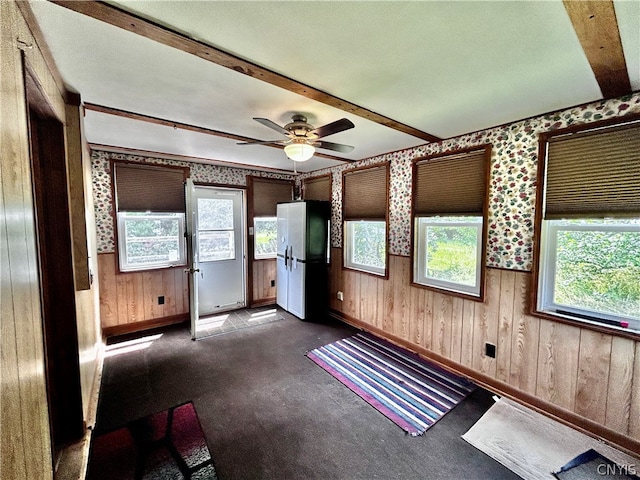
pixel 586 378
pixel 129 301
pixel 263 282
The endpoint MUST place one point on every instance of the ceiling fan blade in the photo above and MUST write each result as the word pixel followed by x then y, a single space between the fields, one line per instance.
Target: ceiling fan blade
pixel 260 142
pixel 274 126
pixel 338 147
pixel 333 127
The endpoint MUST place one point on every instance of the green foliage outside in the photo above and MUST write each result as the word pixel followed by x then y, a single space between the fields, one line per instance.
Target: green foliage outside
pixel 452 254
pixel 215 214
pixel 216 245
pixel 265 236
pixel 599 271
pixel 215 229
pixel 152 240
pixel 369 243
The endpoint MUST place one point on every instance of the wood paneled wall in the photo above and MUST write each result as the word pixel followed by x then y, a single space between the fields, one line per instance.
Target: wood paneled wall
pixel 263 272
pixel 77 158
pixel 24 437
pixel 131 298
pixel 588 374
pixel 129 301
pixel 90 341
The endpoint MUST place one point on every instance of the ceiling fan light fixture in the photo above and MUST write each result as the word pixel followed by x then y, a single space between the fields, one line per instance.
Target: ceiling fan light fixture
pixel 299 152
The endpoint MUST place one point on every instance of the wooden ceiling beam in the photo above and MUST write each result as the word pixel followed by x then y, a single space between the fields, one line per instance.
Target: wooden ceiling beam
pixel 596 25
pixel 161 34
pixel 192 128
pixel 183 158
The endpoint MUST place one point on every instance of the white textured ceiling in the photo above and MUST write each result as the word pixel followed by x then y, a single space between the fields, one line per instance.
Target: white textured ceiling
pixel 446 68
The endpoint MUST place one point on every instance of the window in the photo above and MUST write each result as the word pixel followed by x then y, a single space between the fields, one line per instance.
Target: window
pixel 449 253
pixel 150 240
pixel 264 195
pixel 589 226
pixel 364 203
pixel 150 215
pixel 365 242
pixel 216 236
pixel 449 193
pixel 590 270
pixel 265 231
pixel 317 188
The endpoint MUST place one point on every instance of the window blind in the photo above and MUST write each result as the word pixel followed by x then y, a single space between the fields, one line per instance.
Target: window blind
pixel 594 174
pixel 317 188
pixel 451 184
pixel 141 188
pixel 365 193
pixel 266 193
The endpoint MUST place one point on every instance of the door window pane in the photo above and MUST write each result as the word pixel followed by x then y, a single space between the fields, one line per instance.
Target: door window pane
pixel 215 214
pixel 216 245
pixel 216 238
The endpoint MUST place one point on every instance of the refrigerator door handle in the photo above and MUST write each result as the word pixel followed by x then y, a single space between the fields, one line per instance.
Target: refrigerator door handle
pixel 290 257
pixel 285 257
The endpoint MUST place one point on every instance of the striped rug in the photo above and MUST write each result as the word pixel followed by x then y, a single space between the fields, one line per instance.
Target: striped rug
pixel 411 392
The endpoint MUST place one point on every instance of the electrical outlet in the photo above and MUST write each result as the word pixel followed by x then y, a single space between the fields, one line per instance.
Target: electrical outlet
pixel 273 283
pixel 490 350
pixel 341 296
pixel 161 300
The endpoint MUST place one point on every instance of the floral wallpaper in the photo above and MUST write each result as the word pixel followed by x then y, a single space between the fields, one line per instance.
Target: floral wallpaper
pixel 200 172
pixel 512 187
pixel 511 192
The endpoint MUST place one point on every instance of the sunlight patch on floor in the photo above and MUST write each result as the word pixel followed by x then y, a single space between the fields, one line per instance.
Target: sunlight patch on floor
pixel 262 315
pixel 130 345
pixel 213 321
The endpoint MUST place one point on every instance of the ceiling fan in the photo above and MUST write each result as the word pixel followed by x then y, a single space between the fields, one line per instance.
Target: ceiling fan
pixel 303 138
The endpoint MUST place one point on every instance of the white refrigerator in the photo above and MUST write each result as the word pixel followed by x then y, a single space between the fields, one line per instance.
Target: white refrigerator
pixel 302 270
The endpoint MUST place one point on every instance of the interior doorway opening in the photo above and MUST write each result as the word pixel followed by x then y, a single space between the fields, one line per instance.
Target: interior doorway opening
pixel 57 286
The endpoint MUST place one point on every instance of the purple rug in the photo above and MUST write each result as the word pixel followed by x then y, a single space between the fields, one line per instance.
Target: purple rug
pixel 166 445
pixel 410 391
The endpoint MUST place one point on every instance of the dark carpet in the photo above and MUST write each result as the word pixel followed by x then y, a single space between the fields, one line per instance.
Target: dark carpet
pixel 165 445
pixel 267 412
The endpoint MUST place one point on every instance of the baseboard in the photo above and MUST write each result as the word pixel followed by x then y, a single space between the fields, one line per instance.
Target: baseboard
pixel 92 413
pixel 571 419
pixel 263 302
pixel 74 458
pixel 144 325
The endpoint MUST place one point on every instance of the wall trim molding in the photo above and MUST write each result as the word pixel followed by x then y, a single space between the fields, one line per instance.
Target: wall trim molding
pixel 263 302
pixel 144 325
pixel 566 417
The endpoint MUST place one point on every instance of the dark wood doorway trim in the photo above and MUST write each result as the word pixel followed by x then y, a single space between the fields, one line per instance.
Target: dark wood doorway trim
pixel 53 231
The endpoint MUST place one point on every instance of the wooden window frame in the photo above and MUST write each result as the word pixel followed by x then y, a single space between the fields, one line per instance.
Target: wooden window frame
pixel 250 237
pixel 487 148
pixel 539 217
pixel 387 166
pixel 114 212
pixel 316 178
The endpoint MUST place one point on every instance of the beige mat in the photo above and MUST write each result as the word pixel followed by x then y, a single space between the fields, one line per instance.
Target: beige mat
pixel 532 445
